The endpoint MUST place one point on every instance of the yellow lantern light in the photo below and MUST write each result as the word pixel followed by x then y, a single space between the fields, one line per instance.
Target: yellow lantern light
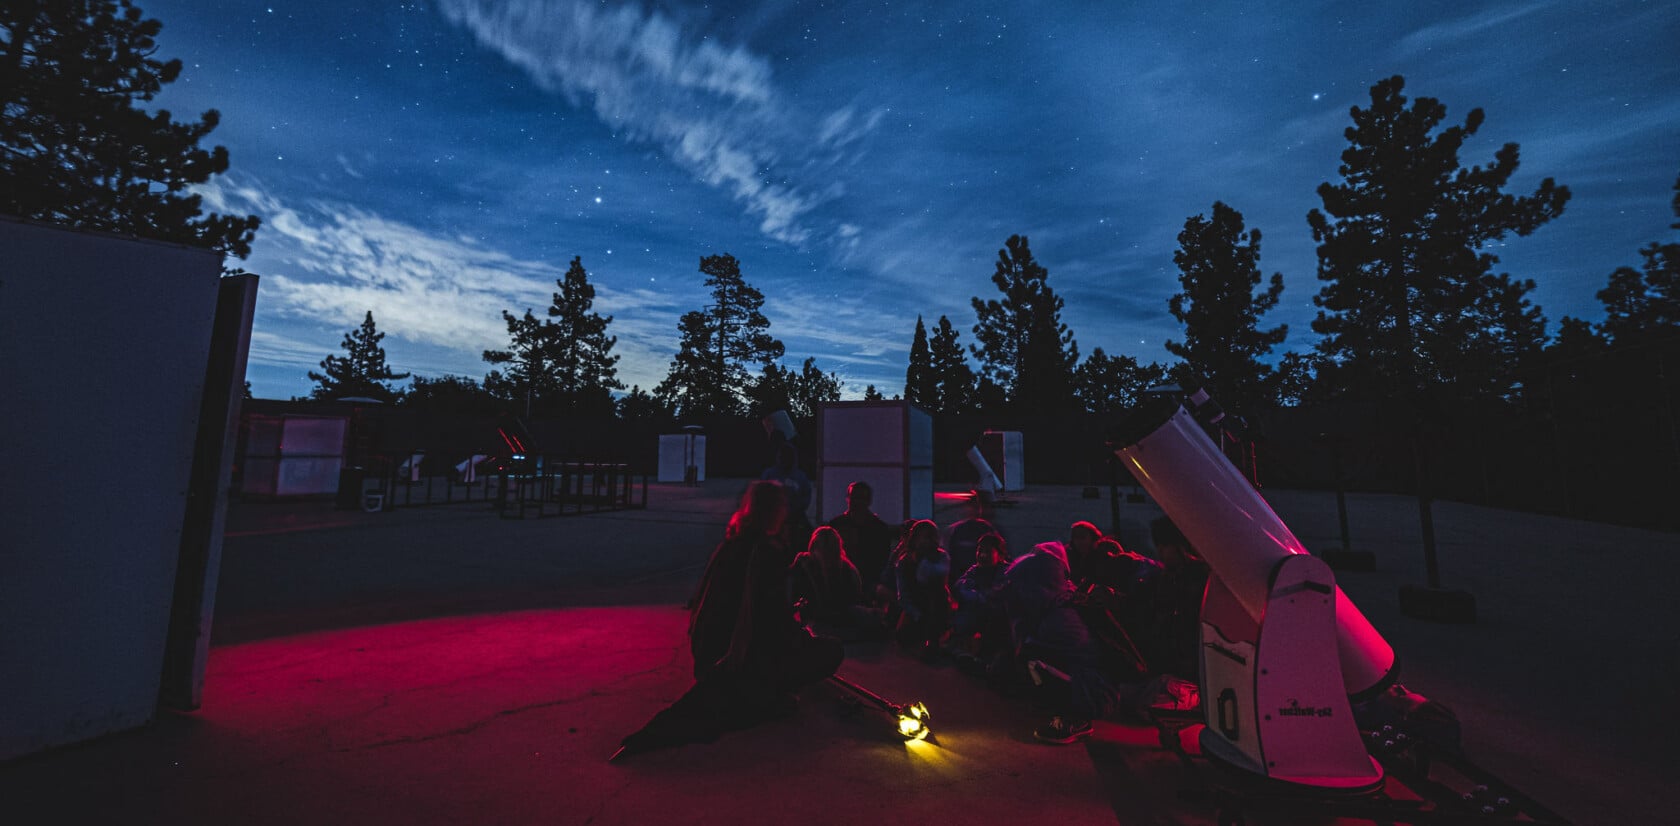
pixel 914 722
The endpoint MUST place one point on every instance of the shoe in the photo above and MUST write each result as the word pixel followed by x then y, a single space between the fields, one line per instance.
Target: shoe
pixel 1063 731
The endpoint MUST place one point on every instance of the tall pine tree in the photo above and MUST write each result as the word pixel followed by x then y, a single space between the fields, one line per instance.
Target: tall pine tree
pixel 949 365
pixel 1024 348
pixel 1409 301
pixel 709 374
pixel 562 365
pixel 75 149
pixel 695 384
pixel 921 384
pixel 1219 269
pixel 361 371
pixel 529 379
pixel 585 370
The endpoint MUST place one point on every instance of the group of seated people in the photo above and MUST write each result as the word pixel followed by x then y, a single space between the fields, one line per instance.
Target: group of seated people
pixel 1086 625
pixel 1090 624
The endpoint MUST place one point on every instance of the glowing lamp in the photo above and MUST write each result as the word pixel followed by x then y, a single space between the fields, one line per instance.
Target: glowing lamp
pixel 912 719
pixel 914 723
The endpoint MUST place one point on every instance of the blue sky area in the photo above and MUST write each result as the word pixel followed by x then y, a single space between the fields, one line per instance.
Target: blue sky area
pixel 439 162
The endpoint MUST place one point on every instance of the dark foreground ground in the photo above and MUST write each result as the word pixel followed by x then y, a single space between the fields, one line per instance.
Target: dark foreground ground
pixel 446 666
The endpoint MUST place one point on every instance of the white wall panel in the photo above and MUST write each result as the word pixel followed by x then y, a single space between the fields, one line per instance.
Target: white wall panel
pixel 105 344
pixel 1006 453
pixel 887 444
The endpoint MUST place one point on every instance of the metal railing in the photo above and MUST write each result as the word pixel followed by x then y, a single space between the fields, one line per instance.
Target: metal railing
pixel 531 486
pixel 547 489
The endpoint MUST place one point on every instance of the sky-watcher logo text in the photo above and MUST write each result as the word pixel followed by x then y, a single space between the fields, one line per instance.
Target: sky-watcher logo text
pixel 1295 709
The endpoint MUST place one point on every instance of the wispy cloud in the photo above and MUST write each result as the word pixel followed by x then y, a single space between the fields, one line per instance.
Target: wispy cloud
pixel 1580 142
pixel 847 124
pixel 340 261
pixel 842 328
pixel 712 108
pixel 277 350
pixel 344 164
pixel 1450 32
pixel 326 264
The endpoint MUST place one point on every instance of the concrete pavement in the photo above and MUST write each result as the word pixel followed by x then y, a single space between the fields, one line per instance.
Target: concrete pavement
pixel 447 666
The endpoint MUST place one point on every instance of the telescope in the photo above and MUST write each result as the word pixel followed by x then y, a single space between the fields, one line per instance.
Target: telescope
pixel 989 482
pixel 1285 655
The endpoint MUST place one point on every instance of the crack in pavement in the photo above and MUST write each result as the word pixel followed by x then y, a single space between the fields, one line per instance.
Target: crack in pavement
pixel 466 729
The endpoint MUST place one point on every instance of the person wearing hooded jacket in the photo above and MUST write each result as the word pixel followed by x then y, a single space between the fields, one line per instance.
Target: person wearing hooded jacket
pixel 1051 638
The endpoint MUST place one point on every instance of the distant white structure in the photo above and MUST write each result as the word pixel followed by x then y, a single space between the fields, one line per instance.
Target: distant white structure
pixel 888 444
pixel 1006 455
pixel 294 455
pixel 682 456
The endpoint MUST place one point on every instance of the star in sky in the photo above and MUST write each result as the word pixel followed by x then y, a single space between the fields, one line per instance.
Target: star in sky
pixel 421 153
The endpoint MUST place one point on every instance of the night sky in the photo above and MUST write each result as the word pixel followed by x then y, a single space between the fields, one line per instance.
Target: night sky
pixel 438 162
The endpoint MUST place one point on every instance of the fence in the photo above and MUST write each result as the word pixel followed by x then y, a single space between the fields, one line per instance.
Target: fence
pixel 551 488
pixel 533 486
pixel 1595 437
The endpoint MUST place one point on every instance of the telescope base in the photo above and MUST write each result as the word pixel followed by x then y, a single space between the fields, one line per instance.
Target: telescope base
pixel 1226 759
pixel 1421 786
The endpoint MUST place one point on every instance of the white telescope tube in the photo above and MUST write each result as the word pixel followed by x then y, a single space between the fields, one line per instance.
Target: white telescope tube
pixel 1235 530
pixel 988 478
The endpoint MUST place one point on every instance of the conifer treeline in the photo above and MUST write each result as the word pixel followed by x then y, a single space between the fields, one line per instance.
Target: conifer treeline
pixel 1411 310
pixel 727 362
pixel 1411 305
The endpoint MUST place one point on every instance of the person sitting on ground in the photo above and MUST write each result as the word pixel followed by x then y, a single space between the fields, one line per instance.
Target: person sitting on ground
pixel 827 590
pixel 1082 550
pixel 979 627
pixel 886 588
pixel 1166 620
pixel 924 596
pixel 1119 570
pixel 745 640
pixel 867 539
pixel 1161 617
pixel 1111 601
pixel 963 535
pixel 1052 640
